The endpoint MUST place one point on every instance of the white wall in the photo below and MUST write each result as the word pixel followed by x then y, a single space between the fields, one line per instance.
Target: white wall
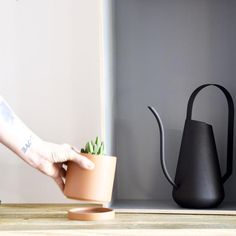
pixel 50 74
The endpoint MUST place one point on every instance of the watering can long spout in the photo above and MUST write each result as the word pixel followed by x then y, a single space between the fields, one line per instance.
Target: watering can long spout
pixel 162 146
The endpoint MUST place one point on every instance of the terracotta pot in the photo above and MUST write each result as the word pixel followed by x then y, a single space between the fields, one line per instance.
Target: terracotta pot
pixel 91 185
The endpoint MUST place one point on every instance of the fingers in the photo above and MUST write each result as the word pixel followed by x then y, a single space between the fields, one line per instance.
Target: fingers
pixel 60 175
pixel 62 172
pixel 73 154
pixel 60 182
pixel 59 170
pixel 56 171
pixel 81 160
pixel 75 149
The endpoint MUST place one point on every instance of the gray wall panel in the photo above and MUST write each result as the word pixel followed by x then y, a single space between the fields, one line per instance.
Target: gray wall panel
pixel 164 50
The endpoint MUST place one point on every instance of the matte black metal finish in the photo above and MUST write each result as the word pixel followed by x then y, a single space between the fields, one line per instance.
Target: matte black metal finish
pixel 198 182
pixel 162 146
pixel 198 172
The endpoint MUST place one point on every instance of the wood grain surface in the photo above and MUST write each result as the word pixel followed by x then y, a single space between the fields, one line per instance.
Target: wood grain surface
pixel 38 219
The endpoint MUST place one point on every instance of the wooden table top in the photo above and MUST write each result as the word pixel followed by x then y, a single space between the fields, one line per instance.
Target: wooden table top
pixel 51 219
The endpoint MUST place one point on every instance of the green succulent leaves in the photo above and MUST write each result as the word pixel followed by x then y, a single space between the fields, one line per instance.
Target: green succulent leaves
pixel 96 148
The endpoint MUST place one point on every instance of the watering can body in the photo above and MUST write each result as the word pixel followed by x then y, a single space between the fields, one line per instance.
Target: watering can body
pixel 198 174
pixel 198 181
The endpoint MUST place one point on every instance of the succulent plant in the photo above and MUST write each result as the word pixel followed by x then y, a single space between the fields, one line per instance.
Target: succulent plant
pixel 96 148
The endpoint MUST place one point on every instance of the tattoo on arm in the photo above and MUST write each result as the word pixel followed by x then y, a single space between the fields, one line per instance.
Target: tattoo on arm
pixel 6 113
pixel 26 145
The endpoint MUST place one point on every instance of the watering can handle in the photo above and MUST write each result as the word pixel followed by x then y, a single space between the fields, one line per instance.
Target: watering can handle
pixel 230 123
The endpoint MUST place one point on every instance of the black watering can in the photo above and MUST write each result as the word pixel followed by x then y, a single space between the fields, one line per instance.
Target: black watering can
pixel 198 181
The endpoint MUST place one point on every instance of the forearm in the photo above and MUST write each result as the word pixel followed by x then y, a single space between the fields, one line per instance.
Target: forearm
pixel 15 134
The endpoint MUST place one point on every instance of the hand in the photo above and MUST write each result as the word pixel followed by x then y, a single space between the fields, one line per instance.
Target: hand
pixel 49 158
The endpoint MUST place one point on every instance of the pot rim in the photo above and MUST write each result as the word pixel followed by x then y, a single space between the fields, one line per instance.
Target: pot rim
pixel 89 155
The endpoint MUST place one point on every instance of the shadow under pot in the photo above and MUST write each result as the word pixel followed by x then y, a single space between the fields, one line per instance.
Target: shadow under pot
pixel 91 185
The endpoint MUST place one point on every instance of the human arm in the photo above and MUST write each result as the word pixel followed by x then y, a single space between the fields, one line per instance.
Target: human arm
pixel 45 156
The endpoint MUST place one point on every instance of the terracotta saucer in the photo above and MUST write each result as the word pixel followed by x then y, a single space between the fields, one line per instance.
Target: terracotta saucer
pixel 91 213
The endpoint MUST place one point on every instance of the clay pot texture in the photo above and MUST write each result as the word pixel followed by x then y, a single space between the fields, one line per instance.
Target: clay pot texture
pixel 91 185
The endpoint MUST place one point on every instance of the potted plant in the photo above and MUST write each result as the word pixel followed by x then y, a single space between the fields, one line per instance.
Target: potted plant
pixel 91 185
